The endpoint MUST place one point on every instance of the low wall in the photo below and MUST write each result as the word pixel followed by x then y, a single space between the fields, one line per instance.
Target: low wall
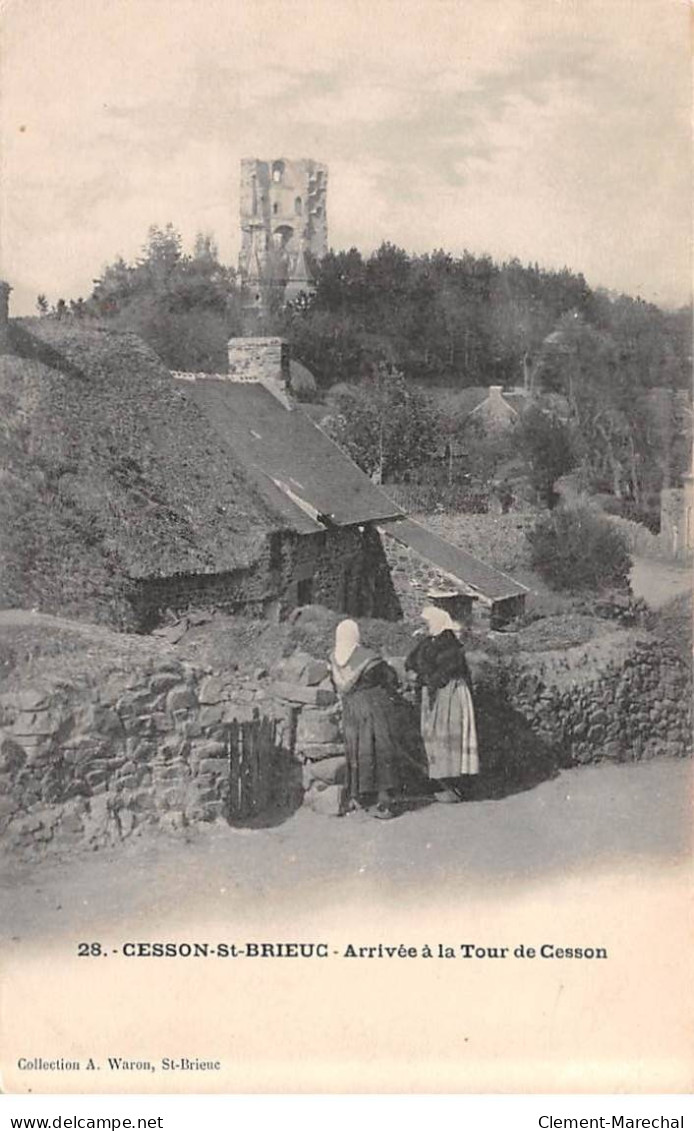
pixel 87 764
pixel 624 698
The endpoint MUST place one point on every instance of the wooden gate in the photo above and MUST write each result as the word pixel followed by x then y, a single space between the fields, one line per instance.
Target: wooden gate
pixel 255 764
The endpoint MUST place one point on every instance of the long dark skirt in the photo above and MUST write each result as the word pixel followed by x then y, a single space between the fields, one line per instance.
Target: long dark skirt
pixel 382 742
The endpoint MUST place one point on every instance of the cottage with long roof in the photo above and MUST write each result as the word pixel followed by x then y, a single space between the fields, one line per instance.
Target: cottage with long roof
pixel 131 493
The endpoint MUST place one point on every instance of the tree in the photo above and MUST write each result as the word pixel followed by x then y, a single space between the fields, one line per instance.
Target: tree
pixel 163 250
pixel 520 320
pixel 205 248
pixel 185 306
pixel 386 426
pixel 576 548
pixel 548 445
pixel 612 381
pixel 42 305
pixel 464 320
pixel 485 450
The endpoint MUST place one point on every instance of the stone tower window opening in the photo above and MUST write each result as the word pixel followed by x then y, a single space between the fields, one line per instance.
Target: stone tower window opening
pixel 275 208
pixel 277 171
pixel 283 234
pixel 298 206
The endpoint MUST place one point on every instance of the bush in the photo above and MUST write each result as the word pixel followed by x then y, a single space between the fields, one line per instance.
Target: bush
pixel 608 503
pixel 673 624
pixel 647 515
pixel 575 548
pixel 550 448
pixel 384 425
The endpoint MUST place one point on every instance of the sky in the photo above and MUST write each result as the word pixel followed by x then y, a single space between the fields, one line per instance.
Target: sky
pixel 555 131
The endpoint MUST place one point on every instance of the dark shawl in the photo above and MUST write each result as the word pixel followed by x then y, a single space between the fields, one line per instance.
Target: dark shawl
pixel 437 660
pixel 381 731
pixel 363 669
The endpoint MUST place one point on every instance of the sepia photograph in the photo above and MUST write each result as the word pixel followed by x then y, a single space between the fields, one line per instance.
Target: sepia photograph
pixel 346 542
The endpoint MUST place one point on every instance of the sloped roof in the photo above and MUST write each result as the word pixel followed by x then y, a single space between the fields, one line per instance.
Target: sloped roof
pixel 97 413
pixel 473 573
pixel 298 468
pixel 457 404
pixel 318 412
pixel 517 400
pixel 460 402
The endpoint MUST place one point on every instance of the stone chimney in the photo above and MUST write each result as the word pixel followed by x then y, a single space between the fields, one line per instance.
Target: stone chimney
pixel 5 289
pixel 263 361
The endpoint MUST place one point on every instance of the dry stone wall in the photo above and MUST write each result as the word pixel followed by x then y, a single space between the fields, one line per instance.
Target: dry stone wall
pixel 87 765
pixel 318 740
pixel 625 700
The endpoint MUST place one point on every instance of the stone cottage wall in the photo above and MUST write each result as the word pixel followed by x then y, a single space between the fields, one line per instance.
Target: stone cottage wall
pixel 227 592
pixel 413 577
pixel 343 568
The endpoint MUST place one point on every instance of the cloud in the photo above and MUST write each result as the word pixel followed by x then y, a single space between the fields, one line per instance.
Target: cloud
pixel 553 132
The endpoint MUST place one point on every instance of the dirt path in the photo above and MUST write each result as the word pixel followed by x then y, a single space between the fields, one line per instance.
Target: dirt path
pixel 658 582
pixel 588 818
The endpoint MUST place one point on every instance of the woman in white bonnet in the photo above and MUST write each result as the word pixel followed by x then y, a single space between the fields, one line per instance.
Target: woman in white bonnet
pixel 447 712
pixel 371 720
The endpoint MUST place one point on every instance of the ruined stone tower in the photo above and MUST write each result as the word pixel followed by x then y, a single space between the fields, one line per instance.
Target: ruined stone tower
pixel 283 220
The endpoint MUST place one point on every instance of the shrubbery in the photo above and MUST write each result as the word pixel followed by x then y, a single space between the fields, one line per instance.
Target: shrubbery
pixel 549 446
pixel 648 514
pixel 385 425
pixel 430 498
pixel 575 548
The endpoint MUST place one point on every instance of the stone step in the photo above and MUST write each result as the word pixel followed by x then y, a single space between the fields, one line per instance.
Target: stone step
pixel 316 727
pixel 317 751
pixel 329 801
pixel 296 693
pixel 331 771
